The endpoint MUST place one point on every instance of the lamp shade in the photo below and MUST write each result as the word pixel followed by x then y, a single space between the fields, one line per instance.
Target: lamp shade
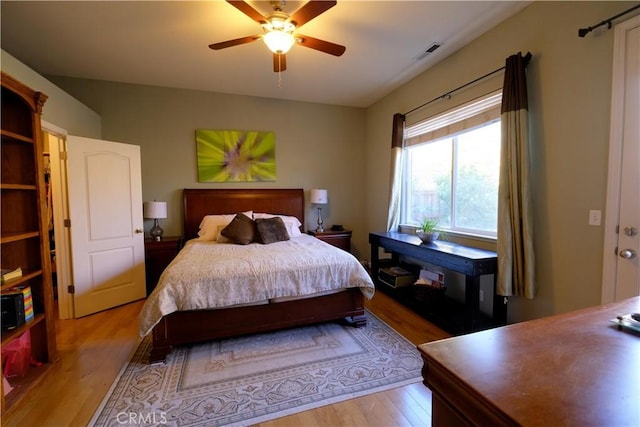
pixel 278 41
pixel 319 197
pixel 154 209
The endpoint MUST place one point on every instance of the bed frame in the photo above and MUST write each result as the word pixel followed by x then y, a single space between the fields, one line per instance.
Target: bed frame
pixel 203 325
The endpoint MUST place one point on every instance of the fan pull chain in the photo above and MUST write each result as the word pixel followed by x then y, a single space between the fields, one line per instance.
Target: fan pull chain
pixel 279 71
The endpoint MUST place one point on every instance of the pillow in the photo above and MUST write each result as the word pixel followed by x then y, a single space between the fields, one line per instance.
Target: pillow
pixel 219 237
pixel 241 230
pixel 271 230
pixel 291 223
pixel 211 225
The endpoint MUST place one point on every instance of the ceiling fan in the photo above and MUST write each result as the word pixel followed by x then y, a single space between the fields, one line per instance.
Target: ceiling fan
pixel 280 30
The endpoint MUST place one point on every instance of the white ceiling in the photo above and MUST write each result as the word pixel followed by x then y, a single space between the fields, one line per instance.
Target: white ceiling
pixel 165 43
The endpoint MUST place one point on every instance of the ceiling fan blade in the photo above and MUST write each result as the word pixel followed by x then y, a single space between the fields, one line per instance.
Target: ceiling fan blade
pixel 279 62
pixel 234 42
pixel 310 10
pixel 248 10
pixel 321 45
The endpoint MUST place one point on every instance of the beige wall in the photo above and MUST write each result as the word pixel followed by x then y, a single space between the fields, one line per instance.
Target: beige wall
pixel 569 81
pixel 317 146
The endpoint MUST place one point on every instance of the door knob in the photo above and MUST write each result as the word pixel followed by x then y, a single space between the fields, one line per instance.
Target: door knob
pixel 139 231
pixel 627 253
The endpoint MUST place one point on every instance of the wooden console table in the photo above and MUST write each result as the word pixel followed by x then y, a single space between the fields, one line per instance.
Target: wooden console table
pixel 471 262
pixel 572 369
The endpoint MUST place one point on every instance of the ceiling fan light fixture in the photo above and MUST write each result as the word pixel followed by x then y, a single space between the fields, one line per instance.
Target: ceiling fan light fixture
pixel 279 41
pixel 280 29
pixel 278 21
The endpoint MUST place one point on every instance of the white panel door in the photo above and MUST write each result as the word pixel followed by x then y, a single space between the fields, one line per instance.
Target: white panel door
pixel 628 280
pixel 621 267
pixel 107 239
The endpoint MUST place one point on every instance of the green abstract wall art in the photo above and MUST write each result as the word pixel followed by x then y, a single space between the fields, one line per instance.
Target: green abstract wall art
pixel 235 156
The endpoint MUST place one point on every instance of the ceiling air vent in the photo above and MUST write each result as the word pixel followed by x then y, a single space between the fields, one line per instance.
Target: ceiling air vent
pixel 429 50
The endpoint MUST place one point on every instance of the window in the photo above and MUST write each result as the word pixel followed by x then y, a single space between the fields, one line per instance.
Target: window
pixel 451 169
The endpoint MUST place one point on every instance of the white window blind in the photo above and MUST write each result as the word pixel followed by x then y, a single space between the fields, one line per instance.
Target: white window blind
pixel 467 116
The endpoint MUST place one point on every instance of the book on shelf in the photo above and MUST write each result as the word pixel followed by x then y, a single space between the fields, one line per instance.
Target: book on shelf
pixel 17 306
pixel 431 279
pixel 11 273
pixel 25 291
pixel 428 283
pixel 395 276
pixel 436 276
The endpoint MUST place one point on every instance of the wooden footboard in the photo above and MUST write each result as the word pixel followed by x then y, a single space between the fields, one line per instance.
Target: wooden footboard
pixel 203 325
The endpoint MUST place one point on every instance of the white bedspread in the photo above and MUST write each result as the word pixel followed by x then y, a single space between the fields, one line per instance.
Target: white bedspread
pixel 215 275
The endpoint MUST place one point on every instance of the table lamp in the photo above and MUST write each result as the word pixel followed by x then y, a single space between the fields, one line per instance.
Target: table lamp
pixel 155 210
pixel 319 197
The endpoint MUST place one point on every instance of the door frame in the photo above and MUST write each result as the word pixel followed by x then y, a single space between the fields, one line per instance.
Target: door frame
pixel 614 176
pixel 60 213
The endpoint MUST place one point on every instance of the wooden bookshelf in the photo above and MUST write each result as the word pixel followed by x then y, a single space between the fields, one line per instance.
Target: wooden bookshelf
pixel 24 238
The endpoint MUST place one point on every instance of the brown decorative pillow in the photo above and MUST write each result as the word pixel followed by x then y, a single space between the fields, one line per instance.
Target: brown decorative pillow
pixel 271 230
pixel 241 230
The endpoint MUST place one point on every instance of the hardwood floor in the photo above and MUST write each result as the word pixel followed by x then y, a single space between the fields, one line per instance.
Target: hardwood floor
pixel 93 349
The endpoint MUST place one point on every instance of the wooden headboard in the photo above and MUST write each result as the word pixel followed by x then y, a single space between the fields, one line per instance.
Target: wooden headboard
pixel 201 202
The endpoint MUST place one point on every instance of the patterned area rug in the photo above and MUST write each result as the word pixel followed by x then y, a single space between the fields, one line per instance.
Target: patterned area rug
pixel 261 377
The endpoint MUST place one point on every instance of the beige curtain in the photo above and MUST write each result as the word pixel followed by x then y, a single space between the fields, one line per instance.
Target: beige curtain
pixel 397 138
pixel 516 261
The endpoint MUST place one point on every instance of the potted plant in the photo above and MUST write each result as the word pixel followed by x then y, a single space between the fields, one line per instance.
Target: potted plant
pixel 428 230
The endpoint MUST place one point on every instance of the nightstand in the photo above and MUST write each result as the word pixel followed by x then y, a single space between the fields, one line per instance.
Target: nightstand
pixel 157 255
pixel 339 239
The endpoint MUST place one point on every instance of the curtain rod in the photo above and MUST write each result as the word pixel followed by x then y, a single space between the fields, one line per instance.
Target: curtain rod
pixel 584 31
pixel 527 58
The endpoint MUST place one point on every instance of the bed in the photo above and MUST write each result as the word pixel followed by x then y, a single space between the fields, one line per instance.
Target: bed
pixel 181 326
